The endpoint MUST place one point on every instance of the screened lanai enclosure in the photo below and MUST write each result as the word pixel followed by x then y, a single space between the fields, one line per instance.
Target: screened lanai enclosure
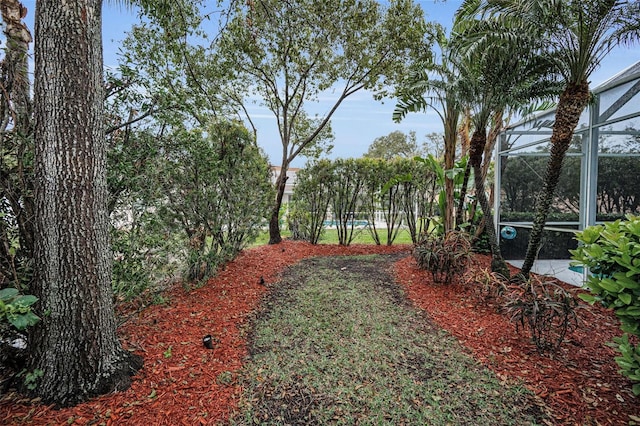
pixel 600 178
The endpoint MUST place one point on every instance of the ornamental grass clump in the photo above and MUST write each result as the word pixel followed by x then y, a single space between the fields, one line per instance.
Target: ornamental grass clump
pixel 612 253
pixel 545 309
pixel 443 256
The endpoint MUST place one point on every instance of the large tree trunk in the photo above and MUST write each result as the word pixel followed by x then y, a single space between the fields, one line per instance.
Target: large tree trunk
pixel 478 142
pixel 74 348
pixel 572 103
pixel 274 222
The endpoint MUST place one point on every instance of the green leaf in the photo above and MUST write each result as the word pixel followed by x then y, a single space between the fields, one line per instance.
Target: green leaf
pixel 7 294
pixel 625 297
pixel 632 311
pixel 32 319
pixel 610 285
pixel 587 298
pixel 20 322
pixel 626 281
pixel 26 300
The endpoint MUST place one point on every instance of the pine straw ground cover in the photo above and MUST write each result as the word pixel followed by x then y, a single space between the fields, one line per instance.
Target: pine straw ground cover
pixel 184 383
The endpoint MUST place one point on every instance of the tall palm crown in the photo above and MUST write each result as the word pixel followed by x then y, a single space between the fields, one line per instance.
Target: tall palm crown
pixel 578 33
pixel 432 86
pixel 495 77
pixel 573 36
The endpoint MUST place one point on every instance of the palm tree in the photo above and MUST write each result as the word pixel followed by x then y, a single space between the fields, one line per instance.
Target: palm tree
pixel 494 78
pixel 433 86
pixel 576 36
pixel 479 92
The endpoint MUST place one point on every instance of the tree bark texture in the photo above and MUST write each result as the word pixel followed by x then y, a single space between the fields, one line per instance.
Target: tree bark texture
pixel 15 65
pixel 572 103
pixel 74 348
pixel 465 144
pixel 492 138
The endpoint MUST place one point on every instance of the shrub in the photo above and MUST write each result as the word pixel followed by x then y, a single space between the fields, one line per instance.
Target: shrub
pixel 312 195
pixel 217 189
pixel 489 286
pixel 612 254
pixel 299 223
pixel 546 309
pixel 15 309
pixel 443 256
pixel 16 316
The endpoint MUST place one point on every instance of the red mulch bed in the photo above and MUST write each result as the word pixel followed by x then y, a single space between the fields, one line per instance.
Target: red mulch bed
pixel 182 383
pixel 580 385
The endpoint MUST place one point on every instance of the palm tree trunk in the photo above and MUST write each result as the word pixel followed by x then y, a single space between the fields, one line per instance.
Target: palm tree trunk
pixel 492 137
pixel 572 103
pixel 498 264
pixel 478 142
pixel 451 124
pixel 463 194
pixel 465 145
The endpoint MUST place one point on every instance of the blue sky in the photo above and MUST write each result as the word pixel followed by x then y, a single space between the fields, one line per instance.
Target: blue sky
pixel 360 119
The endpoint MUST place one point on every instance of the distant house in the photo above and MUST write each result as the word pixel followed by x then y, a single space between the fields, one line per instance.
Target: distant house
pixel 291 180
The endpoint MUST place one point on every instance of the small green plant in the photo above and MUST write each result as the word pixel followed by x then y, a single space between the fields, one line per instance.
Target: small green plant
pixel 629 360
pixel 224 378
pixel 159 299
pixel 547 310
pixel 490 286
pixel 443 256
pixel 15 308
pixel 168 353
pixel 612 253
pixel 31 378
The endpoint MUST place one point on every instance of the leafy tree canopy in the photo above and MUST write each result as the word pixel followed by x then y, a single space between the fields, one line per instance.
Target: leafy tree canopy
pixel 395 144
pixel 288 54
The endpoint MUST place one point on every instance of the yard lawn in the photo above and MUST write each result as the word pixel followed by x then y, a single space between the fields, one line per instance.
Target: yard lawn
pixel 395 364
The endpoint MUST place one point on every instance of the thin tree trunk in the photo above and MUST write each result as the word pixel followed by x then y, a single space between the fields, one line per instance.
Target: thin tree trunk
pixel 463 195
pixel 572 103
pixel 465 145
pixel 451 124
pixel 15 64
pixel 74 349
pixel 478 142
pixel 498 263
pixel 274 222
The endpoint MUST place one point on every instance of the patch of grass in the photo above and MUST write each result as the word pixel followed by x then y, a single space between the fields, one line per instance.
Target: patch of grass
pixel 263 237
pixel 362 236
pixel 330 236
pixel 337 343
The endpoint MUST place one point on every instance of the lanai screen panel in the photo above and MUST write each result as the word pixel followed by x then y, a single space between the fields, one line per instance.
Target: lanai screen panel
pixel 600 177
